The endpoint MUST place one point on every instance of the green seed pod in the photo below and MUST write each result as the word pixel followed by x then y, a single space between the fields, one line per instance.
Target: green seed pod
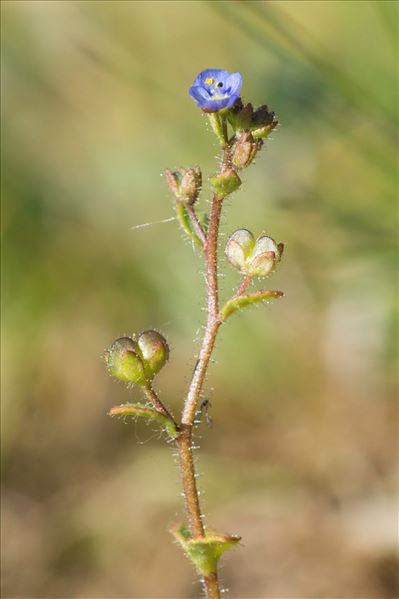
pixel 124 363
pixel 225 183
pixel 154 351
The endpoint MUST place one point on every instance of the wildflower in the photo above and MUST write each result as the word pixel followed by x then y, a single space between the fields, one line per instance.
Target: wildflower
pixel 216 89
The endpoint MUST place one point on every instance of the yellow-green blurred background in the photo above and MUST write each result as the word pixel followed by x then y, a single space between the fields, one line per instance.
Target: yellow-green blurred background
pixel 301 460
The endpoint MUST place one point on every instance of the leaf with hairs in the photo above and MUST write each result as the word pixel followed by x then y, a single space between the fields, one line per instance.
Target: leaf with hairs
pixel 242 301
pixel 139 410
pixel 204 552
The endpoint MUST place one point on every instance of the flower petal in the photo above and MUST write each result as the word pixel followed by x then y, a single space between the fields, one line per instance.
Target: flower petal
pixel 199 93
pixel 216 74
pixel 215 105
pixel 234 81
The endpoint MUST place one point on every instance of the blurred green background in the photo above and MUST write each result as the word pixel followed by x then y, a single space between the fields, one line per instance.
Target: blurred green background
pixel 302 458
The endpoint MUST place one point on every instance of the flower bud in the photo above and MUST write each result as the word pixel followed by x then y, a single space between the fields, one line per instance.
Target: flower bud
pixel 225 183
pixel 255 258
pixel 184 183
pixel 124 363
pixel 260 121
pixel 240 115
pixel 263 122
pixel 154 351
pixel 245 149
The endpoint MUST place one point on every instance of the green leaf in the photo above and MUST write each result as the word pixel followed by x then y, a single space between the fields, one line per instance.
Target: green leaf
pixel 140 410
pixel 243 301
pixel 186 224
pixel 204 552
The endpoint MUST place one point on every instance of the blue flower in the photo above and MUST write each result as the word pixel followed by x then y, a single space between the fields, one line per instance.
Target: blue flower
pixel 215 89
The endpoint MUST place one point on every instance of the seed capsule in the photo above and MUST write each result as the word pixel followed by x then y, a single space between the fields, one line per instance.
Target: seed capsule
pixel 124 363
pixel 238 247
pixel 137 361
pixel 154 351
pixel 256 258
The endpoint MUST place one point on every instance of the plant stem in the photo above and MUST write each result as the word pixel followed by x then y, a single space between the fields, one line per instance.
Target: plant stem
pixel 211 585
pixel 245 283
pixel 196 224
pixel 156 402
pixel 213 323
pixel 187 469
pixel 185 440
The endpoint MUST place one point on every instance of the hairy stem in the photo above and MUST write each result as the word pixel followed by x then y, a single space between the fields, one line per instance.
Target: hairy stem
pixel 211 585
pixel 187 469
pixel 156 402
pixel 213 323
pixel 245 283
pixel 196 224
pixel 185 439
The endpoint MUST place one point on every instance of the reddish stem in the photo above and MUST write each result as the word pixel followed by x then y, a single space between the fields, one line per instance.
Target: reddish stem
pixel 245 283
pixel 185 440
pixel 196 224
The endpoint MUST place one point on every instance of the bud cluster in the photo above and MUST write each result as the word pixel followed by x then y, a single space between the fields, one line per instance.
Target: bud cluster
pixel 250 126
pixel 260 121
pixel 138 361
pixel 184 183
pixel 253 257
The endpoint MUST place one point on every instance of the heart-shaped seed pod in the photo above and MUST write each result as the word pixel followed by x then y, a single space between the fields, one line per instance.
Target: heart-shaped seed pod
pixel 255 258
pixel 154 351
pixel 239 247
pixel 124 363
pixel 264 258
